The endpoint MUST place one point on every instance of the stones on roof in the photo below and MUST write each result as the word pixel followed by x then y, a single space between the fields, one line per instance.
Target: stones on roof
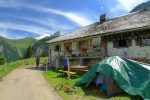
pixel 130 21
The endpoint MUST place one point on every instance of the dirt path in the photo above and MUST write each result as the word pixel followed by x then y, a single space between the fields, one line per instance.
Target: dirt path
pixel 26 83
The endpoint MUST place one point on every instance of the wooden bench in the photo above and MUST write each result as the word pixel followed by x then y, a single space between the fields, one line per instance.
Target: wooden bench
pixel 68 72
pixel 81 68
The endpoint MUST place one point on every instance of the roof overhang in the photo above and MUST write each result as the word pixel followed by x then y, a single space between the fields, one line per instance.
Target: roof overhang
pixel 109 33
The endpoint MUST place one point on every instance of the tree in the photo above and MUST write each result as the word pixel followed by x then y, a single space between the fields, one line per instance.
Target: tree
pixel 2 60
pixel 29 52
pixel 44 54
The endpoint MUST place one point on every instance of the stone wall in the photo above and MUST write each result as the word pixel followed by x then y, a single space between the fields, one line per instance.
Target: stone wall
pixel 54 57
pixel 133 51
pixel 75 50
pixel 96 40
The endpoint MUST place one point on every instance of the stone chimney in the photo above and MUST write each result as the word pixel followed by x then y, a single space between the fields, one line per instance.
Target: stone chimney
pixel 103 18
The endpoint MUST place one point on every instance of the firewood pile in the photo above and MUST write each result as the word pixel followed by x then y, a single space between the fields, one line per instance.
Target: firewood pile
pixel 142 59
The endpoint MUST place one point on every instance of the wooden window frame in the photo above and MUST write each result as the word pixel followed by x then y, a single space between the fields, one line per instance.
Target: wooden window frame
pixel 57 48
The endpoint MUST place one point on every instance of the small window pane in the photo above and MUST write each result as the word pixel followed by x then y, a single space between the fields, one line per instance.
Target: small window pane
pixel 148 42
pixel 57 48
pixel 144 42
pixel 122 43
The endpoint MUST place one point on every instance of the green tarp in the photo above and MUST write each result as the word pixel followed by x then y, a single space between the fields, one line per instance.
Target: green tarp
pixel 132 76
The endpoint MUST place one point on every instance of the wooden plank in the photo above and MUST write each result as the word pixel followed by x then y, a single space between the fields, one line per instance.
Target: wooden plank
pixel 68 72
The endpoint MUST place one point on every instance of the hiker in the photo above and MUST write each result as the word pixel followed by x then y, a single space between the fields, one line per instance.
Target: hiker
pixel 66 65
pixel 37 56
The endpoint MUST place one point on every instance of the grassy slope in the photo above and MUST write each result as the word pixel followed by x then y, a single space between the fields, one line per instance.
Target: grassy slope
pixel 21 43
pixel 16 48
pixel 9 52
pixel 12 66
pixel 54 78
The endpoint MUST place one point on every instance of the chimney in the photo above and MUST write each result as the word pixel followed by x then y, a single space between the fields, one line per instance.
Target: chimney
pixel 103 18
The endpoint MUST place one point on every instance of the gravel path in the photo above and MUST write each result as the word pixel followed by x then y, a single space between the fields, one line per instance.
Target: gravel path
pixel 26 83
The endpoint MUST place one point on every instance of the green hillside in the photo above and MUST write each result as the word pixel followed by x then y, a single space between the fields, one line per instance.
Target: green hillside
pixel 15 49
pixel 21 43
pixel 8 51
pixel 143 6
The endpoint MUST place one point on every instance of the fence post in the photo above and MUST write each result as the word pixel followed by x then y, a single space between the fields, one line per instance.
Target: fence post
pixel 5 64
pixel 46 65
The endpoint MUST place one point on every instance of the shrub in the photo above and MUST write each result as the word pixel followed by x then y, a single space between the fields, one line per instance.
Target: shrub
pixel 2 60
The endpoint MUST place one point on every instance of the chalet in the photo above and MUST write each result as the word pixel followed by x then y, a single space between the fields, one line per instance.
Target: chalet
pixel 127 35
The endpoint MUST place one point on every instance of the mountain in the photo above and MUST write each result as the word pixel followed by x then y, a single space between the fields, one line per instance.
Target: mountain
pixel 21 44
pixel 42 44
pixel 15 49
pixel 143 6
pixel 8 51
pixel 43 36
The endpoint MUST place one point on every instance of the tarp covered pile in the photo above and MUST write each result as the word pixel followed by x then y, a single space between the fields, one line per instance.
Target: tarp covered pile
pixel 132 76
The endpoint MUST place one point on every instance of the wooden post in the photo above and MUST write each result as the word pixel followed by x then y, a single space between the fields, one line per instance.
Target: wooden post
pixel 46 64
pixel 49 56
pixel 5 64
pixel 58 58
pixel 68 69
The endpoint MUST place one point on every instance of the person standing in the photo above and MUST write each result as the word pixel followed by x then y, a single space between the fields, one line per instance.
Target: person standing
pixel 66 65
pixel 37 56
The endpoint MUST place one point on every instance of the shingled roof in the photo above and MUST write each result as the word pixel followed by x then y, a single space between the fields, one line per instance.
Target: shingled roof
pixel 122 23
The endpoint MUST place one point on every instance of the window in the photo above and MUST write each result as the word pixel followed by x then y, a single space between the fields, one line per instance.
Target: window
pixel 57 48
pixel 138 42
pixel 122 43
pixel 83 44
pixel 145 42
pixel 68 46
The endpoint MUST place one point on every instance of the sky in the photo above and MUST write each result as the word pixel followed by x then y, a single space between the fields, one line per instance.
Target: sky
pixel 40 18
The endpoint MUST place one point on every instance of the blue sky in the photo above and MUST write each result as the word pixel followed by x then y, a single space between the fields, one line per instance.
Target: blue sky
pixel 39 18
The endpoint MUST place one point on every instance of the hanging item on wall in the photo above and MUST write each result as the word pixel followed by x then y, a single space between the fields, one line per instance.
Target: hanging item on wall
pixel 68 50
pixel 83 48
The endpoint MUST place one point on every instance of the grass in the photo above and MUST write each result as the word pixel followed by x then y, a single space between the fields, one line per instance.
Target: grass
pixel 4 70
pixel 21 43
pixel 91 93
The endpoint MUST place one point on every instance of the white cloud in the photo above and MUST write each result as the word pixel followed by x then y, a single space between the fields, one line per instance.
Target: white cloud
pixel 126 5
pixel 53 24
pixel 78 18
pixel 75 17
pixel 50 23
pixel 81 19
pixel 9 3
pixel 3 33
pixel 29 28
